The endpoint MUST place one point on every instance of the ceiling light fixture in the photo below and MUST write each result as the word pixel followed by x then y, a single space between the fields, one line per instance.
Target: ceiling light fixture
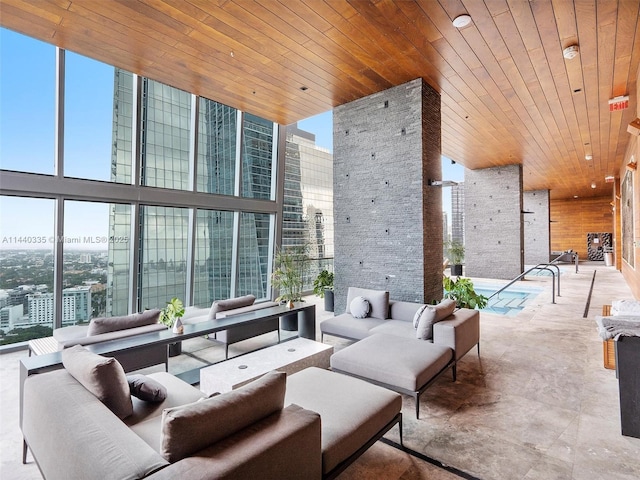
pixel 593 184
pixel 570 52
pixel 588 157
pixel 462 21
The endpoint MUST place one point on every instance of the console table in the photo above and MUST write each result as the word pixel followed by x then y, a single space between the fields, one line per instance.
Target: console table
pixel 126 347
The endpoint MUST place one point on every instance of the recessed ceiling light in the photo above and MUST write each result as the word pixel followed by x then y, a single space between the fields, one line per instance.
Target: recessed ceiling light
pixel 570 52
pixel 588 157
pixel 593 184
pixel 462 21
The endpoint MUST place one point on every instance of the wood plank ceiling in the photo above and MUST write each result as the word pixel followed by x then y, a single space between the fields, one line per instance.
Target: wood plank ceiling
pixel 508 95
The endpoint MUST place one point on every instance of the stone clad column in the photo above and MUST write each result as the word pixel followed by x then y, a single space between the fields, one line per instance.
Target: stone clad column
pixel 494 234
pixel 537 236
pixel 388 222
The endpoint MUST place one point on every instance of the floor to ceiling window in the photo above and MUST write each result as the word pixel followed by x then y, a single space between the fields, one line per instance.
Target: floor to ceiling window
pixel 149 193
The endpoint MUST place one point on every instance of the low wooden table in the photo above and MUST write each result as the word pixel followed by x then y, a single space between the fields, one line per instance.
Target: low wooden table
pixel 289 357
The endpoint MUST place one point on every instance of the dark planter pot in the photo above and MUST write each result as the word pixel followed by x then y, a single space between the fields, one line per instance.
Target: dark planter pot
pixel 628 370
pixel 456 270
pixel 328 300
pixel 289 322
pixel 175 349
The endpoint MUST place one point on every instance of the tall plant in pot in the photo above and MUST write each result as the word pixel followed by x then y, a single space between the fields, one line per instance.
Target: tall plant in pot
pixel 455 254
pixel 323 288
pixel 290 266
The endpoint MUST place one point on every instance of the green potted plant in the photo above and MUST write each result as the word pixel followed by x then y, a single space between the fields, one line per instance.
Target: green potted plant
pixel 461 290
pixel 323 288
pixel 170 316
pixel 290 266
pixel 455 254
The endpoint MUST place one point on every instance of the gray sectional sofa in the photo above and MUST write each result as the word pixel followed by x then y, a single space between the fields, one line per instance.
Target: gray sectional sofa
pixel 391 351
pixel 82 422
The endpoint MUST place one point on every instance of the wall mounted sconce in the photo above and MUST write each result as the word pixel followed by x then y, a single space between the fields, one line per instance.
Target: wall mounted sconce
pixel 632 166
pixel 634 127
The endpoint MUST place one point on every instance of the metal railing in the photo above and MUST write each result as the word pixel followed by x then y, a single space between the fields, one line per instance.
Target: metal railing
pixel 540 266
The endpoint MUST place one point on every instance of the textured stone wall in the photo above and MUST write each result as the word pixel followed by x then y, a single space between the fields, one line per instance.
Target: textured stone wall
pixel 494 234
pixel 388 225
pixel 537 238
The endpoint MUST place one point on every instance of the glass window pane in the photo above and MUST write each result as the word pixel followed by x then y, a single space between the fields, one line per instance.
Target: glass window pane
pixel 93 136
pixel 257 157
pixel 119 261
pixel 216 148
pixel 213 257
pixel 164 130
pixel 27 96
pixel 26 268
pixel 163 255
pixel 253 254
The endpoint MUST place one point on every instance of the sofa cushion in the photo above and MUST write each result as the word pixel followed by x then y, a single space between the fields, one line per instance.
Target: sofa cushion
pixel 146 388
pixel 229 304
pixel 378 301
pixel 433 314
pixel 189 428
pixel 98 326
pixel 102 376
pixel 416 316
pixel 625 307
pixel 399 328
pixel 348 327
pixel 359 307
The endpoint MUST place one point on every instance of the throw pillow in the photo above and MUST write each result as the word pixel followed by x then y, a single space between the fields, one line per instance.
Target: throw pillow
pixel 146 388
pixel 416 317
pixel 378 301
pixel 359 307
pixel 98 326
pixel 102 376
pixel 189 428
pixel 433 314
pixel 230 304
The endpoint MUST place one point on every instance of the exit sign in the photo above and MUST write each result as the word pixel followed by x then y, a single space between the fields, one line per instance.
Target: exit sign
pixel 619 103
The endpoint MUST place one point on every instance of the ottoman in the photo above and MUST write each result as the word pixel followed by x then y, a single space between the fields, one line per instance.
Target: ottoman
pixel 354 414
pixel 406 365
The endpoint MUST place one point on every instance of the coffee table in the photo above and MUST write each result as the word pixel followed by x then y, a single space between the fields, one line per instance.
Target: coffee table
pixel 289 356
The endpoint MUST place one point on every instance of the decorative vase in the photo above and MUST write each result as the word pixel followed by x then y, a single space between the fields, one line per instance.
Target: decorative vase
pixel 290 304
pixel 178 327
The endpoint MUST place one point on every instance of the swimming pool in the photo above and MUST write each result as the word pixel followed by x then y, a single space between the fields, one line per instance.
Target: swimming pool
pixel 508 302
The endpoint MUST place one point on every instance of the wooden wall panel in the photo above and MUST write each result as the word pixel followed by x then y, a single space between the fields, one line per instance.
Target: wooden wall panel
pixel 632 275
pixel 572 220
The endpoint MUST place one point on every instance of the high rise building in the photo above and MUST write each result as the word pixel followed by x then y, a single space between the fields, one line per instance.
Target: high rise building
pixel 457 213
pixel 308 199
pixel 76 307
pixel 222 155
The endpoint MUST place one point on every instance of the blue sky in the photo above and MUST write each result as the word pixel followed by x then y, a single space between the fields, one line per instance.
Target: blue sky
pixel 27 123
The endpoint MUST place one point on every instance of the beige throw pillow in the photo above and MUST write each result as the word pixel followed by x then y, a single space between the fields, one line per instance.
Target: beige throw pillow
pixel 189 428
pixel 102 376
pixel 98 326
pixel 433 314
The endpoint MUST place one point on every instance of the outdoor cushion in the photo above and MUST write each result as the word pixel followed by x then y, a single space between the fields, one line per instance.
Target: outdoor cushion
pixel 433 314
pixel 101 325
pixel 146 388
pixel 359 307
pixel 625 307
pixel 378 301
pixel 348 327
pixel 190 428
pixel 102 376
pixel 229 304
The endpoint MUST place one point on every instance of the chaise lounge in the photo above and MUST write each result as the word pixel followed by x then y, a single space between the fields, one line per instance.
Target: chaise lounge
pixel 403 346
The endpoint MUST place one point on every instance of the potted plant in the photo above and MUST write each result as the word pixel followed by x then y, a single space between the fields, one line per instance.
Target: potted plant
pixel 455 254
pixel 170 316
pixel 323 288
pixel 461 290
pixel 291 264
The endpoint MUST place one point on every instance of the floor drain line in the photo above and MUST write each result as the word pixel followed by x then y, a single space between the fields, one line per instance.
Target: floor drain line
pixel 586 308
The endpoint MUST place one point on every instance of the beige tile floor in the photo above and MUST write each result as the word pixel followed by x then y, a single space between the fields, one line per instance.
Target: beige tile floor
pixel 537 404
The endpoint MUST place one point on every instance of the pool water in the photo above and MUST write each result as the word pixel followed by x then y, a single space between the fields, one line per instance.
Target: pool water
pixel 508 302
